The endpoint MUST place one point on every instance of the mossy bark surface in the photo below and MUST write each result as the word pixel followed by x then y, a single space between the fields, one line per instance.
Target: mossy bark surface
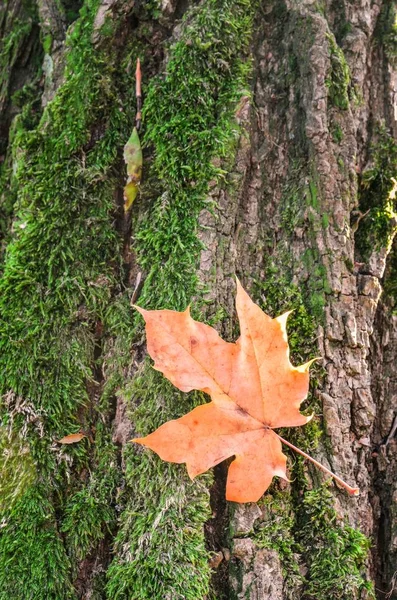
pixel 270 152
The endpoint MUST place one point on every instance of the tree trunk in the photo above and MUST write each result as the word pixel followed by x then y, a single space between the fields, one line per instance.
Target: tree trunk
pixel 269 136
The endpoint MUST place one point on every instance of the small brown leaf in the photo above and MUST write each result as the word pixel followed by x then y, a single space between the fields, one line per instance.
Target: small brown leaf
pixel 73 438
pixel 215 560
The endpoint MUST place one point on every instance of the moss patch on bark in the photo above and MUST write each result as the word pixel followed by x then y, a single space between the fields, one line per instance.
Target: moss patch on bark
pixel 338 79
pixel 307 531
pixel 378 196
pixel 159 549
pixel 62 305
pixel 188 116
pixel 301 524
pixel 335 552
pixel 61 265
pixel 189 122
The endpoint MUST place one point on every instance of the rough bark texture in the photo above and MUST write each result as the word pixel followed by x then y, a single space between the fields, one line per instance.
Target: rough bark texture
pixel 270 148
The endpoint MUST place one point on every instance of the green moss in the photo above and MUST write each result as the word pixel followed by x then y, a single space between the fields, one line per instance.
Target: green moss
pixel 337 133
pixel 377 195
pixel 33 560
pixel 390 41
pixel 47 43
pixel 312 196
pixel 317 284
pixel 276 531
pixel 152 9
pixel 122 332
pixel 292 208
pixel 160 549
pixel 59 264
pixel 10 49
pixel 301 202
pixel 70 9
pixel 335 552
pixel 305 529
pixel 344 28
pixel 108 27
pixel 325 220
pixel 320 7
pixel 17 470
pixel 59 272
pixel 89 513
pixel 338 80
pixel 188 120
pixel 279 519
pixel 15 35
pixel 387 30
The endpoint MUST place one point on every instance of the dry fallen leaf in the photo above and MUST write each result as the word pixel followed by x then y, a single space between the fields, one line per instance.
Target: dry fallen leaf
pixel 72 438
pixel 253 386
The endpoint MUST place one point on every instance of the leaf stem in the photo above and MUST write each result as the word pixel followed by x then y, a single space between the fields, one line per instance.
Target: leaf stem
pixel 353 491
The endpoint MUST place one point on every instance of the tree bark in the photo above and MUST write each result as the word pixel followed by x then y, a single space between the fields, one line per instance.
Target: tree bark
pixel 270 153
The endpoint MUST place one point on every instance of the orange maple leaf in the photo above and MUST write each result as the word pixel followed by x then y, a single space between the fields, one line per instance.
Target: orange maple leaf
pixel 253 387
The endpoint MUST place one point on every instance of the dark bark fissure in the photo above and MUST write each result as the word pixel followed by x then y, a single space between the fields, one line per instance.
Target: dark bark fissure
pixel 384 455
pixel 217 532
pixel 25 57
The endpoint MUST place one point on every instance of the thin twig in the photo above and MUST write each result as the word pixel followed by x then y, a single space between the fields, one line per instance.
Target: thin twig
pixel 353 491
pixel 137 288
pixel 392 432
